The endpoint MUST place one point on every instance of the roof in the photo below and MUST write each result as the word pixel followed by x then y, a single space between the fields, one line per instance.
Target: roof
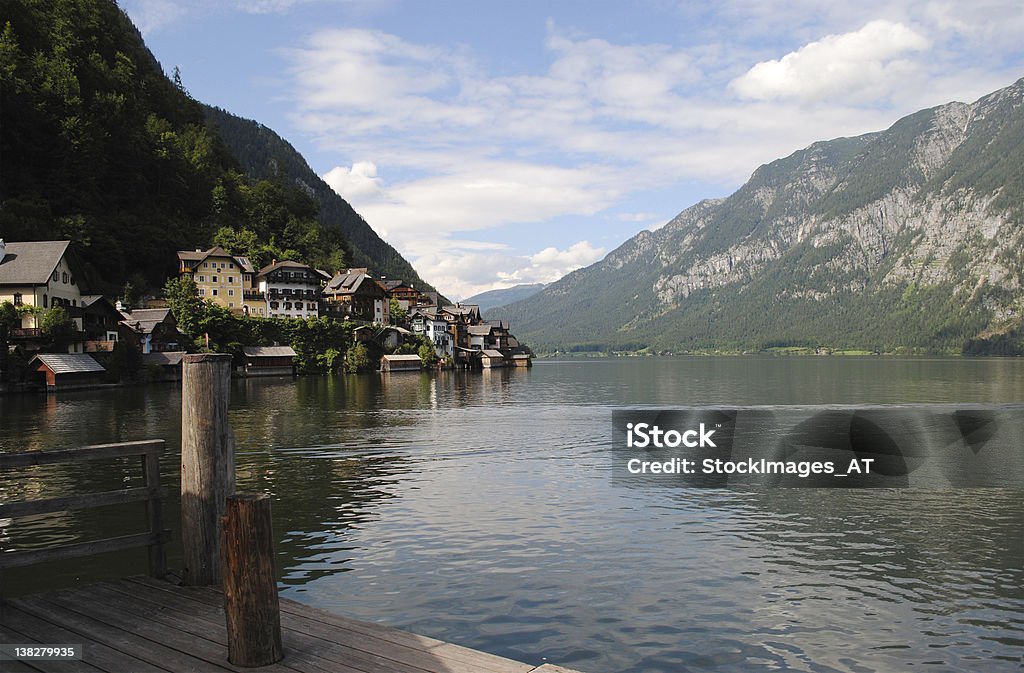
pixel 351 282
pixel 480 330
pixel 402 358
pixel 31 262
pixel 493 353
pixel 164 359
pixel 268 352
pixel 145 320
pixel 69 363
pixel 289 264
pixel 216 251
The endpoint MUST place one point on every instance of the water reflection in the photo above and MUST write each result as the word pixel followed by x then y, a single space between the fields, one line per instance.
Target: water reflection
pixel 480 508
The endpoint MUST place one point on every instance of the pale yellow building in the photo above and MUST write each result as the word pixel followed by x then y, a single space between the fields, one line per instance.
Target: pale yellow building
pixel 223 278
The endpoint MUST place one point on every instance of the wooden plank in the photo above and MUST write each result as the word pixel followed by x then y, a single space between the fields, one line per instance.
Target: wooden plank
pixel 207 621
pixel 365 634
pixel 32 507
pixel 551 668
pixel 149 651
pixel 12 637
pixel 24 558
pixel 97 654
pixel 194 653
pixel 80 454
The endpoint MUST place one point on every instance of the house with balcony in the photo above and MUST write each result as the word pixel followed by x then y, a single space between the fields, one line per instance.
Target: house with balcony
pixel 40 275
pixel 428 323
pixel 220 277
pixel 291 289
pixel 353 293
pixel 153 329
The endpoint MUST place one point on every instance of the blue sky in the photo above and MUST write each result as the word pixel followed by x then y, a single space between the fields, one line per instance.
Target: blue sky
pixel 496 143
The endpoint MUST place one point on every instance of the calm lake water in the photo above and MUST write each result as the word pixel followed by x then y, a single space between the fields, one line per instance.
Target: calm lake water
pixel 480 509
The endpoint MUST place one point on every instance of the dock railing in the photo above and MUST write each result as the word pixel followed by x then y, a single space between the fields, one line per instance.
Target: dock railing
pixel 155 538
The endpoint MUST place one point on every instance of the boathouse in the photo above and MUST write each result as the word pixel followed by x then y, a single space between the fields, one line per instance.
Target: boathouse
pixel 401 363
pixel 269 360
pixel 64 371
pixel 492 359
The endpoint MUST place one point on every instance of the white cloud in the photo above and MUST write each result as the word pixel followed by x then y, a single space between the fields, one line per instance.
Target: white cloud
pixel 357 184
pixel 150 16
pixel 865 64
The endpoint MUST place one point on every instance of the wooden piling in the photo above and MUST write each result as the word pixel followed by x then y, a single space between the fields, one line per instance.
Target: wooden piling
pixel 207 463
pixel 251 605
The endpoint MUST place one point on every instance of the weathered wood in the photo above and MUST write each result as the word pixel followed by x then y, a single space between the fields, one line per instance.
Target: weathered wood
pixel 79 549
pixel 207 463
pixel 140 623
pixel 79 454
pixel 32 507
pixel 154 513
pixel 250 586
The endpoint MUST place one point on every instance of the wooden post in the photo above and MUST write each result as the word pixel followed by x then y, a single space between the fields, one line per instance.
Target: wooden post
pixel 207 463
pixel 151 475
pixel 251 605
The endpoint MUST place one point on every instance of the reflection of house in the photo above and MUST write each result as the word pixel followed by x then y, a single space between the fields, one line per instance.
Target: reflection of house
pixel 64 371
pixel 154 329
pixel 401 363
pixel 221 277
pixel 269 360
pixel 291 289
pixel 355 293
pixel 39 274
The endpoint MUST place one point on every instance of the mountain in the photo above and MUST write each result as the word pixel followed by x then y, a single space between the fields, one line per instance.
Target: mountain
pixel 905 239
pixel 98 146
pixel 264 155
pixel 493 299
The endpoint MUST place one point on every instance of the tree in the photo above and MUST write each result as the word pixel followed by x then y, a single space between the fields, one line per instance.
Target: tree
pixel 428 355
pixel 399 315
pixel 188 309
pixel 357 359
pixel 58 328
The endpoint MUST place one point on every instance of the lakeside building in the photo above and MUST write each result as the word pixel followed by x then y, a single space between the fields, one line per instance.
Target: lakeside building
pixel 354 293
pixel 221 277
pixel 64 371
pixel 100 320
pixel 291 289
pixel 41 274
pixel 153 329
pixel 269 360
pixel 429 324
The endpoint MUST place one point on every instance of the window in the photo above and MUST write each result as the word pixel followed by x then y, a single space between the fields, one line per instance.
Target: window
pixel 206 265
pixel 231 279
pixel 231 293
pixel 213 279
pixel 44 301
pixel 202 292
pixel 202 279
pixel 214 292
pixel 17 299
pixel 64 278
pixel 56 275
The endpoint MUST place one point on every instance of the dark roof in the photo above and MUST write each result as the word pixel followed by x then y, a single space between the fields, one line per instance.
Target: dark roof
pixel 351 282
pixel 68 363
pixel 289 264
pixel 146 319
pixel 172 359
pixel 268 352
pixel 31 262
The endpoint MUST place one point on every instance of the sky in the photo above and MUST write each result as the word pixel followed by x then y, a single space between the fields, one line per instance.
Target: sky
pixel 498 143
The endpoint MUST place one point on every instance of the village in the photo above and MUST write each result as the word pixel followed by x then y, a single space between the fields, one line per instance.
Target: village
pixel 55 335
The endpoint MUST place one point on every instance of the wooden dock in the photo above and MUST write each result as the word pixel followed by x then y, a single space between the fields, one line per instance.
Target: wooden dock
pixel 145 625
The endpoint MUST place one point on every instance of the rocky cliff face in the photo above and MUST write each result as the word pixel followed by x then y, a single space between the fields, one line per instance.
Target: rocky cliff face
pixel 911 237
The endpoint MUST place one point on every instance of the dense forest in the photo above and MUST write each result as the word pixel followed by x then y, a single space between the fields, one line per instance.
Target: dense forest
pixel 99 146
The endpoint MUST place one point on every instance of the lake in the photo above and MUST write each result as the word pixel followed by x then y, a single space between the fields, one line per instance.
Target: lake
pixel 479 508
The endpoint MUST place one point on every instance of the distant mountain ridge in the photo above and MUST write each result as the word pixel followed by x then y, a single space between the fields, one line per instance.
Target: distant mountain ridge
pixel 908 238
pixel 493 299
